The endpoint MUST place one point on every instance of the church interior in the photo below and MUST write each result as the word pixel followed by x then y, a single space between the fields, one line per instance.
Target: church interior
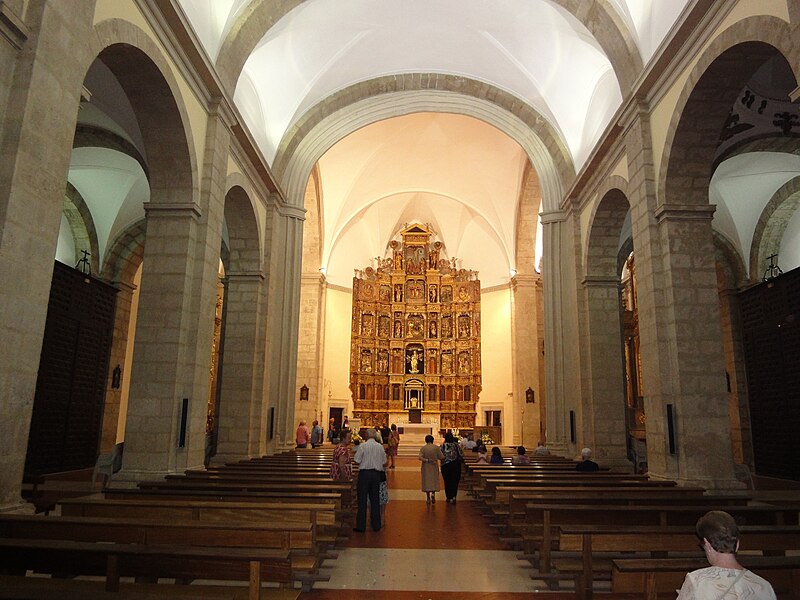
pixel 564 223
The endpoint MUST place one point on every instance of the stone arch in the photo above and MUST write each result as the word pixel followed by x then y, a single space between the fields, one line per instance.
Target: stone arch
pixel 151 87
pixel 772 225
pixel 358 106
pixel 602 244
pixel 243 239
pixel 89 136
pixel 125 254
pixel 706 100
pixel 312 225
pixel 602 405
pixel 731 271
pixel 84 232
pixel 599 18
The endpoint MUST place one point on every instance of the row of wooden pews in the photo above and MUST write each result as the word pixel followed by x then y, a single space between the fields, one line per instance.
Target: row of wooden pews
pixel 635 534
pixel 271 519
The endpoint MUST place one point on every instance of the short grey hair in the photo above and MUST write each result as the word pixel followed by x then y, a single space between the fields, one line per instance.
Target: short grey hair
pixel 586 452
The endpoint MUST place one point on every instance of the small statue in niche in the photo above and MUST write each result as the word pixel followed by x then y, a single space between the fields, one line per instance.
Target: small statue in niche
pixel 432 293
pixel 366 361
pixel 383 362
pixel 433 256
pixel 463 362
pixel 432 329
pixel 397 254
pixel 463 294
pixel 383 327
pixel 398 329
pixel 414 359
pixel 398 292
pixel 447 363
pixel 384 293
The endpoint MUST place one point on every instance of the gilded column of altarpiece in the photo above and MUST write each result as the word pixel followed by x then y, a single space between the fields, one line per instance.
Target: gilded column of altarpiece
pixel 415 352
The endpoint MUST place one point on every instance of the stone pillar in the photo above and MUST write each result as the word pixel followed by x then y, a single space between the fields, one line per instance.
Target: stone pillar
pixel 311 343
pixel 604 403
pixel 524 350
pixel 553 282
pixel 40 88
pixel 679 324
pixel 240 433
pixel 738 399
pixel 119 346
pixel 175 325
pixel 283 322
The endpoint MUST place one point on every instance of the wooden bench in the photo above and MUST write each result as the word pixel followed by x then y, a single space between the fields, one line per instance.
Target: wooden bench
pixel 345 489
pixel 115 559
pixel 298 539
pixel 282 495
pixel 650 577
pixel 658 542
pixel 542 519
pixel 200 510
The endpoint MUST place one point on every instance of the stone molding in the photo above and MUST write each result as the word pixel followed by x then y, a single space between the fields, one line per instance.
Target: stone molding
pixel 684 212
pixel 173 209
pixel 599 281
pixel 12 28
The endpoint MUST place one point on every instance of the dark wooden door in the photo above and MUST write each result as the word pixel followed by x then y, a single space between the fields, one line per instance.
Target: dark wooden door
pixel 73 369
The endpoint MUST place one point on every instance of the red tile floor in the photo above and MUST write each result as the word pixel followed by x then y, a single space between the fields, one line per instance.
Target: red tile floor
pixel 427 552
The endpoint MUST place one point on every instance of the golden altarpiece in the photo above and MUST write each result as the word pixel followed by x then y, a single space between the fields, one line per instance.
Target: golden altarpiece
pixel 415 351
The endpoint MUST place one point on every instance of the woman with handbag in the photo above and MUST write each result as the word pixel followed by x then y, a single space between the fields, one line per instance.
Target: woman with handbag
pixel 451 466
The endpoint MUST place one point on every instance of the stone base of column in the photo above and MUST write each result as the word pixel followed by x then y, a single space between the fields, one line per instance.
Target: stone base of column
pixel 618 465
pixel 559 449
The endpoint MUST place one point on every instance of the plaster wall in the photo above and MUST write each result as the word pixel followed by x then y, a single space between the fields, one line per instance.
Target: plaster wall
pixel 496 368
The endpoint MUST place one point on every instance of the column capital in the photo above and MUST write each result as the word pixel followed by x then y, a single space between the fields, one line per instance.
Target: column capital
pixel 124 286
pixel 599 281
pixel 173 209
pixel 245 276
pixel 292 212
pixel 553 216
pixel 685 212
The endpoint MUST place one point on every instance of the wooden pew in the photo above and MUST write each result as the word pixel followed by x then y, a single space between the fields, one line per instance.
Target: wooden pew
pixel 298 539
pixel 658 542
pixel 650 577
pixel 542 519
pixel 283 495
pixel 317 515
pixel 115 559
pixel 345 489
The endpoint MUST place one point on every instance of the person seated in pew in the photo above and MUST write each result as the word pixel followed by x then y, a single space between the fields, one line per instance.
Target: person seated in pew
pixel 520 458
pixel 541 449
pixel 481 455
pixel 725 578
pixel 587 465
pixel 497 456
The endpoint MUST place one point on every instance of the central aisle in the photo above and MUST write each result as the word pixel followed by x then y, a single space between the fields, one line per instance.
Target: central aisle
pixel 425 551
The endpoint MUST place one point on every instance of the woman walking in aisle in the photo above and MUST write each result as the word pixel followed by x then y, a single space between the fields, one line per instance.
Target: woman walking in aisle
pixel 392 442
pixel 451 466
pixel 429 456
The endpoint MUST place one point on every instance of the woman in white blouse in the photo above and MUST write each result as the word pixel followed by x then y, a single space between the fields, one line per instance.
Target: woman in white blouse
pixel 725 579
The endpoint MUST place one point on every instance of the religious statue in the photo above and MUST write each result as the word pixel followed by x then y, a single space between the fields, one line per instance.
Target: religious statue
pixel 432 329
pixel 398 329
pixel 413 361
pixel 383 326
pixel 383 362
pixel 433 256
pixel 398 292
pixel 384 293
pixel 463 362
pixel 432 293
pixel 366 362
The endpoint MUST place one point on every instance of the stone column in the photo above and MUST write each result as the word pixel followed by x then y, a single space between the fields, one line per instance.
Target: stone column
pixel 119 346
pixel 738 399
pixel 524 350
pixel 604 404
pixel 239 419
pixel 311 343
pixel 175 325
pixel 679 324
pixel 40 87
pixel 283 322
pixel 553 282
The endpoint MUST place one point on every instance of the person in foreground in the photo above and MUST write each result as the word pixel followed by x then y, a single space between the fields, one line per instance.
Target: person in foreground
pixel 725 579
pixel 371 458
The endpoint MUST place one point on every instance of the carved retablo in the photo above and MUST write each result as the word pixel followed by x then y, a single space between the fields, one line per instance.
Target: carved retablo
pixel 415 342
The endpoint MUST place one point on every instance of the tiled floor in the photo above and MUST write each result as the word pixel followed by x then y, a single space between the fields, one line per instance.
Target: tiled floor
pixel 425 551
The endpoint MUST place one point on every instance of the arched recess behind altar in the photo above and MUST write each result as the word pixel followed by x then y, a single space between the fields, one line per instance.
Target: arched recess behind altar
pixel 415 340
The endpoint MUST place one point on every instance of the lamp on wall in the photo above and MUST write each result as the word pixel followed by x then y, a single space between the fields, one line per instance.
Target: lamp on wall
pixel 530 396
pixel 304 392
